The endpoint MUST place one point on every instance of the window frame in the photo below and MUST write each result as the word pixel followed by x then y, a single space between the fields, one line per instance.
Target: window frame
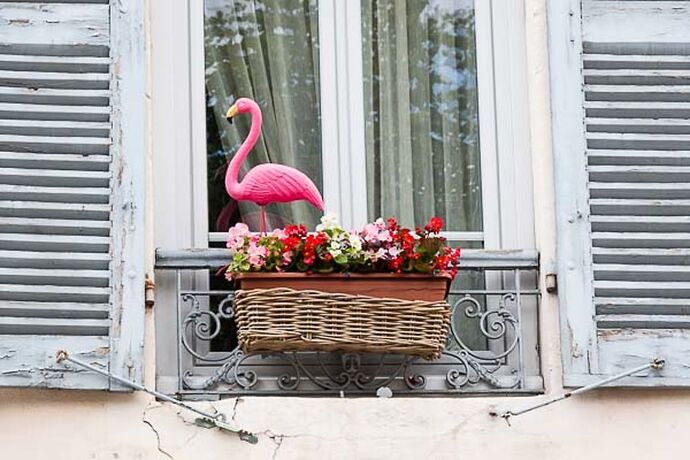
pixel 180 187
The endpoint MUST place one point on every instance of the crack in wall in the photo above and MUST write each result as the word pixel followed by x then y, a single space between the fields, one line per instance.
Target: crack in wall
pixel 155 432
pixel 277 440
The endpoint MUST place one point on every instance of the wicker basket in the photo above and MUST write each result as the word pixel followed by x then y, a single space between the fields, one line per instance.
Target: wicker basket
pixel 284 320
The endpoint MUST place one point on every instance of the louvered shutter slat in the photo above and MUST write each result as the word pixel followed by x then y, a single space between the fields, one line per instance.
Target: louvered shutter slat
pixel 67 193
pixel 621 94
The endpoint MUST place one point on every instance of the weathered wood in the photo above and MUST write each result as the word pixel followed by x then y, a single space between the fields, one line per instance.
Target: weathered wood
pixel 57 80
pixel 54 226
pixel 66 129
pixel 54 194
pixel 638 125
pixel 73 64
pixel 618 22
pixel 643 321
pixel 60 193
pixel 613 223
pixel 54 326
pixel 639 272
pixel 669 289
pixel 639 157
pixel 635 141
pixel 57 178
pixel 623 109
pixel 619 347
pixel 49 293
pixel 641 256
pixel 54 309
pixel 635 78
pixel 646 93
pixel 50 144
pixel 29 361
pixel 642 305
pixel 22 111
pixel 56 260
pixel 51 96
pixel 64 243
pixel 73 162
pixel 59 24
pixel 54 277
pixel 47 210
pixel 639 190
pixel 129 173
pixel 633 61
pixel 639 207
pixel 578 331
pixel 640 240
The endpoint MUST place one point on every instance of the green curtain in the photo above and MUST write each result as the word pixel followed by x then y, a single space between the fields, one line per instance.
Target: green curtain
pixel 266 50
pixel 422 134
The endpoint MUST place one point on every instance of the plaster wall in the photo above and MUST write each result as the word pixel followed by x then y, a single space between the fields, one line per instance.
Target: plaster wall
pixel 649 424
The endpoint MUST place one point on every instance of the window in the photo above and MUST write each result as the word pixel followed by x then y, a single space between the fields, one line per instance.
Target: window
pixel 391 107
pixel 418 115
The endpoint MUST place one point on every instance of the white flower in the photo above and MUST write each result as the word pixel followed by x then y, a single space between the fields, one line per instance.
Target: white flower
pixel 328 221
pixel 355 241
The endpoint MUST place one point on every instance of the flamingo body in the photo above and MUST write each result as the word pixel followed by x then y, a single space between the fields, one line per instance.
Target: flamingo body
pixel 266 183
pixel 274 183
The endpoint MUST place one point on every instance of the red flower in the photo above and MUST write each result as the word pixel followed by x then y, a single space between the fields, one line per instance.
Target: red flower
pixel 290 243
pixel 392 224
pixel 435 225
pixel 297 231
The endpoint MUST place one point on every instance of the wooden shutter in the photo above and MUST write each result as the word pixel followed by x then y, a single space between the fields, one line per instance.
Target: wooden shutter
pixel 620 74
pixel 71 190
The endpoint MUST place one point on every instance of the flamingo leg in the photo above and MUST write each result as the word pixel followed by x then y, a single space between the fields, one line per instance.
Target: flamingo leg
pixel 262 220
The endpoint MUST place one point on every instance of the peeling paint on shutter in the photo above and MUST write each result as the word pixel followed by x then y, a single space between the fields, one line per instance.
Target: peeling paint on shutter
pixel 71 190
pixel 621 112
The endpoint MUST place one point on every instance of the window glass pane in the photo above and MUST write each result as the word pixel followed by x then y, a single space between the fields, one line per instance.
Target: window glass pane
pixel 420 89
pixel 266 50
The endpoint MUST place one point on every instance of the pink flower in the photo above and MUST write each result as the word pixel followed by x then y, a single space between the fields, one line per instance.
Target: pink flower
pixel 236 236
pixel 394 252
pixel 287 258
pixel 385 236
pixel 257 254
pixel 279 233
pixel 370 233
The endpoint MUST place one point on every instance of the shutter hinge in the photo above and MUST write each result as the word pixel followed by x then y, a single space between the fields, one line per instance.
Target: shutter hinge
pixel 551 283
pixel 149 291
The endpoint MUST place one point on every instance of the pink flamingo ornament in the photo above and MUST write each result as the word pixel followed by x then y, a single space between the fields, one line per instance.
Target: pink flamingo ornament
pixel 266 183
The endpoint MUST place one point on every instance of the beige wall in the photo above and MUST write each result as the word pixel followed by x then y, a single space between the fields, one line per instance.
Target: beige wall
pixel 40 424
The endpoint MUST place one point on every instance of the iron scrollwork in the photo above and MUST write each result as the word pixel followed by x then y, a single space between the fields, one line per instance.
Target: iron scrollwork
pixel 496 365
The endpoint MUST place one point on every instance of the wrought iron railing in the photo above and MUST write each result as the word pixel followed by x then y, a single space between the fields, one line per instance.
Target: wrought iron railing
pixel 492 345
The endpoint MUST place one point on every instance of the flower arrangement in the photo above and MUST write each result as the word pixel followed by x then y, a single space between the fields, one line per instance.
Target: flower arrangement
pixel 381 246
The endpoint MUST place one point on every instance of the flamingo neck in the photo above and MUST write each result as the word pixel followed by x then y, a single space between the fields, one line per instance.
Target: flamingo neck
pixel 232 184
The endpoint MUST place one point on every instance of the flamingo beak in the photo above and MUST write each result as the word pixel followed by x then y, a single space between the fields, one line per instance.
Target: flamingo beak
pixel 232 111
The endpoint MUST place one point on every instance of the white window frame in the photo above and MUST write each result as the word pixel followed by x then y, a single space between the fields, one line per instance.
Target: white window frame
pixel 177 88
pixel 342 116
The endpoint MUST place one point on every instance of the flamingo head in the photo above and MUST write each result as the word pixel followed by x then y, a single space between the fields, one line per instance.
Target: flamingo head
pixel 241 105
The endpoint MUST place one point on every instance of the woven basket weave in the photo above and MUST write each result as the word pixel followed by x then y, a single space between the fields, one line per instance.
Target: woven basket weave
pixel 283 319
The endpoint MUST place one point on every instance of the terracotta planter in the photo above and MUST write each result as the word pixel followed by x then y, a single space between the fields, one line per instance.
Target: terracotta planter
pixel 374 313
pixel 390 285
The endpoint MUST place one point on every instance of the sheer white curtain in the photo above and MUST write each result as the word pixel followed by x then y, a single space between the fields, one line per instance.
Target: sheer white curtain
pixel 266 50
pixel 422 133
